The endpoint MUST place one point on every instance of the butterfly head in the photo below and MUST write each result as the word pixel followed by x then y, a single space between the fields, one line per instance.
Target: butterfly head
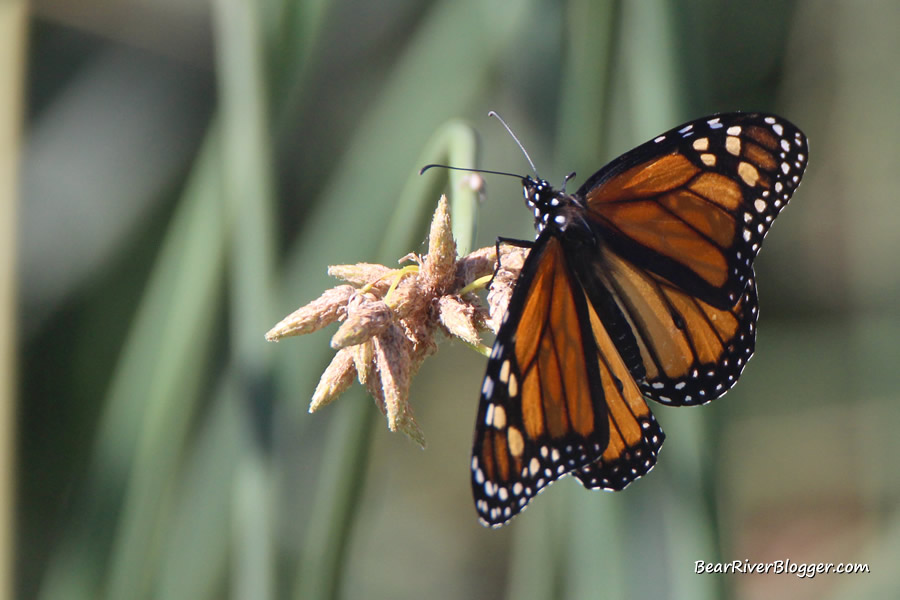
pixel 551 207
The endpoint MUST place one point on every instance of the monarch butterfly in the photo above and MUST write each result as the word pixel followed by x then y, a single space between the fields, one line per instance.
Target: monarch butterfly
pixel 638 286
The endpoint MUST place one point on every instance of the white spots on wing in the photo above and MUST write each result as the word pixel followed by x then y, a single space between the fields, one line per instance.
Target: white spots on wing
pixel 504 371
pixel 733 145
pixel 499 420
pixel 748 173
pixel 487 389
pixel 516 441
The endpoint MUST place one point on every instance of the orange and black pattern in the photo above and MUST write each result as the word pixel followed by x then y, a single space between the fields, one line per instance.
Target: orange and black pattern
pixel 639 286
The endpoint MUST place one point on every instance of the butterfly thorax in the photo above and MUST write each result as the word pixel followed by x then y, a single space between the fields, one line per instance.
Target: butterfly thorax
pixel 552 208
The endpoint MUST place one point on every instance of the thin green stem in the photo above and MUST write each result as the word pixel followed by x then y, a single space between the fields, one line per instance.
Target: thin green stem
pixel 13 27
pixel 478 284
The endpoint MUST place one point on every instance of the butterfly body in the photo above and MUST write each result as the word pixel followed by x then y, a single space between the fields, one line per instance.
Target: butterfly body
pixel 638 286
pixel 552 208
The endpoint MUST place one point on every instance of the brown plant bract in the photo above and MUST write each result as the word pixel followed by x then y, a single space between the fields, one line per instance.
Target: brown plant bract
pixel 389 318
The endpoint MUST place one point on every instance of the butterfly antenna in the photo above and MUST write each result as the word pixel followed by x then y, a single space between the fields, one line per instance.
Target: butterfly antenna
pixel 521 147
pixel 426 167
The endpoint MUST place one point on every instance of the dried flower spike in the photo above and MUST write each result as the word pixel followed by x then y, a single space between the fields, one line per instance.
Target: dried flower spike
pixel 389 319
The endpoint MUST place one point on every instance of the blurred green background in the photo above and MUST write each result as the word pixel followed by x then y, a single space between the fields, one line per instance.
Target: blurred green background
pixel 188 171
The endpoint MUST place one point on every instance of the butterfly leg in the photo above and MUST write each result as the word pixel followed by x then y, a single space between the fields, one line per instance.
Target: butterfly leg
pixel 511 242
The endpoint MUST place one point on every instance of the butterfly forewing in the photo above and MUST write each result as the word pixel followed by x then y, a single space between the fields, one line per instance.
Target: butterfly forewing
pixel 693 204
pixel 542 412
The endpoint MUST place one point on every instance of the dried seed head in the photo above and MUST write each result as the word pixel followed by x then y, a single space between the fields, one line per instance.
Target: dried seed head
pixel 392 360
pixel 478 263
pixel 511 260
pixel 363 360
pixel 461 319
pixel 362 274
pixel 321 312
pixel 439 269
pixel 335 380
pixel 367 316
pixel 389 318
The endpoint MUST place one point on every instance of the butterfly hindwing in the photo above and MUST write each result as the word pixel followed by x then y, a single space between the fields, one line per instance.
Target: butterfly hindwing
pixel 635 437
pixel 690 351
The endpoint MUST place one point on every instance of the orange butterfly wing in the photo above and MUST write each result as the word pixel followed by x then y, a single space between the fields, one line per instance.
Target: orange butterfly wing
pixel 650 295
pixel 690 221
pixel 557 396
pixel 691 352
pixel 694 204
